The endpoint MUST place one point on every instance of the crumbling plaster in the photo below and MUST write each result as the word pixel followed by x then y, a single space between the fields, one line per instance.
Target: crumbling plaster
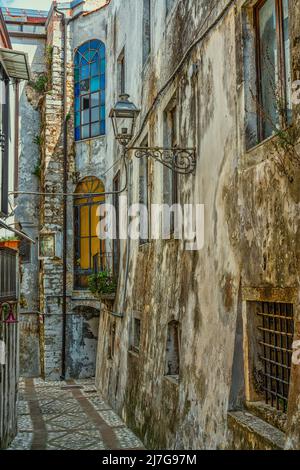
pixel 250 215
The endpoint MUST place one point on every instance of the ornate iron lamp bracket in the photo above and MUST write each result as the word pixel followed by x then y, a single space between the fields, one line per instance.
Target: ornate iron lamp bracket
pixel 179 160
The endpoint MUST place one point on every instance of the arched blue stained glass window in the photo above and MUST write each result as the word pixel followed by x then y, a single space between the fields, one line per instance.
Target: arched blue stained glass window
pixel 89 72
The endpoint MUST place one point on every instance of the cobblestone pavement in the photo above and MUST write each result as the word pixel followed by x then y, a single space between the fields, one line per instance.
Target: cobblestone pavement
pixel 68 416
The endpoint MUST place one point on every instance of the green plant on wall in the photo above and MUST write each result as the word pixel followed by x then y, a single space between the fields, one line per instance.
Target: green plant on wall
pixel 40 84
pixel 283 146
pixel 102 283
pixel 23 301
pixel 8 239
pixel 37 140
pixel 37 171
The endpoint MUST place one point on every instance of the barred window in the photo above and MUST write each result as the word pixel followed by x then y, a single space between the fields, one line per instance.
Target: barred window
pixel 275 333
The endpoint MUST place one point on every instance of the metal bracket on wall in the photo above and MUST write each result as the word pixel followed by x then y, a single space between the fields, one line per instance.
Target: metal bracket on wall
pixel 178 160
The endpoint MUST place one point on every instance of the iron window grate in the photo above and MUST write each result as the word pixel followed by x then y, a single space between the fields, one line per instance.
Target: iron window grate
pixel 275 338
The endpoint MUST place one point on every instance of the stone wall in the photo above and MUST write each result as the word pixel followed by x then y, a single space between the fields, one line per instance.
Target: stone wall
pixel 27 211
pixel 250 234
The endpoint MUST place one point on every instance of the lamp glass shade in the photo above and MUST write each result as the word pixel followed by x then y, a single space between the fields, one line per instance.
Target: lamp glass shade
pixel 124 115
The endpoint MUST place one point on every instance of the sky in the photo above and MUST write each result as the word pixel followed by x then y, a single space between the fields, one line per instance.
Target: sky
pixel 32 4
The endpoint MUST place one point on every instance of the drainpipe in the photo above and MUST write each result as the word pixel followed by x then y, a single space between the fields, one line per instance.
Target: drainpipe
pixel 65 188
pixel 65 23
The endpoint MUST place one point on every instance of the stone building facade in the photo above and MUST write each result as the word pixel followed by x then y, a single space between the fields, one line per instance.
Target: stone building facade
pixel 195 351
pixel 14 68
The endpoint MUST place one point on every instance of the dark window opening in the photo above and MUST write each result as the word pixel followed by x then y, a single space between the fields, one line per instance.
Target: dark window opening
pixel 112 338
pixel 274 66
pixel 122 73
pixel 136 335
pixel 146 30
pixel 144 196
pixel 116 241
pixel 170 178
pixel 173 350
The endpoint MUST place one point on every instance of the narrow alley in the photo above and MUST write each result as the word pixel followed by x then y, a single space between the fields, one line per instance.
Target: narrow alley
pixel 68 416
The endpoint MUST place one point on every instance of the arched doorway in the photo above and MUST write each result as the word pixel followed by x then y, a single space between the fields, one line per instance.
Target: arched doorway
pixel 90 251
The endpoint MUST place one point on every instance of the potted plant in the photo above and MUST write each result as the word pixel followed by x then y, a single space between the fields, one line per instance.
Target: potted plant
pixel 103 285
pixel 10 242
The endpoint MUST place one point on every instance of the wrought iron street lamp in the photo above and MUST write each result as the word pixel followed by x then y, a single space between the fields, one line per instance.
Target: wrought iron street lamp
pixel 124 115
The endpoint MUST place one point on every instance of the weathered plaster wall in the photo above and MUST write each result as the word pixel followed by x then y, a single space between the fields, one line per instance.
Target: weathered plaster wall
pixel 28 205
pixel 86 158
pixel 251 234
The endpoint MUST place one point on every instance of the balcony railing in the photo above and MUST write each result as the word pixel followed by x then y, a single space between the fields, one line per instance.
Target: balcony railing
pixel 8 275
pixel 99 262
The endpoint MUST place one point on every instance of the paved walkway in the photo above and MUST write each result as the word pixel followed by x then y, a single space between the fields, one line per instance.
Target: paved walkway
pixel 68 416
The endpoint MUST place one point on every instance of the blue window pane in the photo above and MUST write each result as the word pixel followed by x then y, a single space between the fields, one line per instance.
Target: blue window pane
pixel 84 47
pixel 83 62
pixel 89 56
pixel 85 116
pixel 77 104
pixel 102 127
pixel 102 99
pixel 95 114
pixel 95 44
pixel 94 99
pixel 95 84
pixel 84 72
pixel 77 89
pixel 77 133
pixel 76 59
pixel 76 74
pixel 95 69
pixel 102 51
pixel 95 129
pixel 77 119
pixel 89 103
pixel 84 85
pixel 102 82
pixel 85 133
pixel 102 66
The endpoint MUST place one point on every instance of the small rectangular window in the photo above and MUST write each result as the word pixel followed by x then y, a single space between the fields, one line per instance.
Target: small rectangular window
pixel 173 350
pixel 170 179
pixel 146 30
pixel 112 338
pixel 122 73
pixel 144 196
pixel 116 241
pixel 135 334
